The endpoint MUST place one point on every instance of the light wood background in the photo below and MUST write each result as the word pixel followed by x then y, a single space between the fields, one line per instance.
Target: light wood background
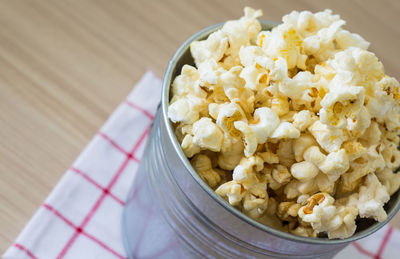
pixel 66 65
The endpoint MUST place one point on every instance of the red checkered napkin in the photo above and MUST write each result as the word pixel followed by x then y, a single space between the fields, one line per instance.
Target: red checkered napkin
pixel 81 218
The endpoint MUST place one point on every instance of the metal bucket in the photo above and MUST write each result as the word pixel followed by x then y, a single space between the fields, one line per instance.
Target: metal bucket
pixel 187 219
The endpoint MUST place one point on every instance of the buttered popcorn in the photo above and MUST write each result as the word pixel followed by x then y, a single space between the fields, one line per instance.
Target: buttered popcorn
pixel 297 127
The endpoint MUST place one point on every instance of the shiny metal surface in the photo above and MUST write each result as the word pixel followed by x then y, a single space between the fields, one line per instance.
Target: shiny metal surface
pixel 203 223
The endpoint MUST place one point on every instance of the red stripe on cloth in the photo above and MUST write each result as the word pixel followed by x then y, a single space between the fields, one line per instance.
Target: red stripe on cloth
pixel 112 142
pixel 384 243
pixel 118 147
pixel 59 215
pixel 362 250
pixel 92 181
pixel 69 223
pixel 103 245
pixel 22 248
pixel 148 114
pixel 140 140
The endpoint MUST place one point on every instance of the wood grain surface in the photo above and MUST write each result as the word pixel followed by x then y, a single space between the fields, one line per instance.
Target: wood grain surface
pixel 66 65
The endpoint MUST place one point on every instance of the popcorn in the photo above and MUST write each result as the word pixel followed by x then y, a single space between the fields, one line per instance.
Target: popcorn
pixel 185 83
pixel 183 110
pixel 249 54
pixel 284 42
pixel 321 45
pixel 308 23
pixel 385 99
pixel 231 153
pixel 320 183
pixel 269 157
pixel 242 31
pixel 371 136
pixel 354 149
pixel 372 196
pixel 303 119
pixel 281 174
pixel 369 162
pixel 341 104
pixel 280 105
pixel 229 113
pixel 302 230
pixel 333 165
pixel 391 155
pixel 360 123
pixel 250 138
pixel 298 127
pixel 207 135
pixel 304 171
pixel 324 216
pixel 329 138
pixel 233 190
pixel 389 179
pixel 202 165
pixel 267 124
pixel 255 201
pixel 288 210
pixel 189 147
pixel 301 144
pixel 285 152
pixel 234 89
pixel 213 48
pixel 296 87
pixel 285 130
pixel 346 39
pixel 254 76
pixel 245 172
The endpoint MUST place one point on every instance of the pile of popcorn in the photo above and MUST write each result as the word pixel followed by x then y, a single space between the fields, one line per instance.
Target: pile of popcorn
pixel 297 127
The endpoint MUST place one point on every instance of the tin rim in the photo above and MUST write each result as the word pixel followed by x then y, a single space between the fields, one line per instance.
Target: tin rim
pixel 167 80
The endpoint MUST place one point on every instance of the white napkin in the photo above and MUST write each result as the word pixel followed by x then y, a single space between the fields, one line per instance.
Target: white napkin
pixel 81 218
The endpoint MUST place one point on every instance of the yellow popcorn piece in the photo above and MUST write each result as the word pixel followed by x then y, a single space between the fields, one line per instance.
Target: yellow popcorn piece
pixel 371 198
pixel 304 171
pixel 255 201
pixel 341 104
pixel 267 123
pixel 213 48
pixel 207 135
pixel 234 89
pixel 389 179
pixel 303 119
pixel 245 172
pixel 329 138
pixel 333 165
pixel 231 153
pixel 249 137
pixel 325 216
pixel 189 147
pixel 229 113
pixel 285 130
pixel 202 165
pixel 301 144
pixel 233 190
pixel 288 210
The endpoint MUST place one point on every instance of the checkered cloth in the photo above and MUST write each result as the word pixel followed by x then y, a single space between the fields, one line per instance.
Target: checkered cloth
pixel 81 218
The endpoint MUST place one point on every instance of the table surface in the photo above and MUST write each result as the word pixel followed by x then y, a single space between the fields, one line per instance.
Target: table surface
pixel 66 65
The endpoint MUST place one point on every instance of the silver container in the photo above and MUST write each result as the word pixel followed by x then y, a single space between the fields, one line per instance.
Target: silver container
pixel 197 223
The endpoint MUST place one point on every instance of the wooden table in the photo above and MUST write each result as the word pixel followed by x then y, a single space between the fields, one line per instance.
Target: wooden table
pixel 65 66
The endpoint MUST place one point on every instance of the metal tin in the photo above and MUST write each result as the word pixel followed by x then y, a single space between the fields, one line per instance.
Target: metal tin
pixel 195 219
